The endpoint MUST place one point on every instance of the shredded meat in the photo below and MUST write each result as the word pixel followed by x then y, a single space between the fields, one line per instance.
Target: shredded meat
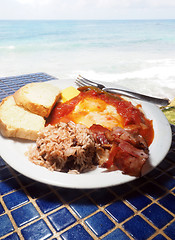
pixel 64 147
pixel 124 150
pixel 71 147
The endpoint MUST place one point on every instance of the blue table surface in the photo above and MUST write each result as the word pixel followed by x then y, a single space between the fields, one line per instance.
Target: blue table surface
pixel 141 209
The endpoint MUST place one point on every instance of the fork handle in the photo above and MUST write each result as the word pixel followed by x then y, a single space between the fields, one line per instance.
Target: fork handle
pixel 158 101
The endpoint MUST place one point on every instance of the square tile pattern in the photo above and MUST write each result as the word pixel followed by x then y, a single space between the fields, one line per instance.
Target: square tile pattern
pixel 142 209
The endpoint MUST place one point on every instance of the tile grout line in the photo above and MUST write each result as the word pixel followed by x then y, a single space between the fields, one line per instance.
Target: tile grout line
pixel 8 212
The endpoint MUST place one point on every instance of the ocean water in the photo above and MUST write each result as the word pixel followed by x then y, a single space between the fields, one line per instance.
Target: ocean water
pixel 138 54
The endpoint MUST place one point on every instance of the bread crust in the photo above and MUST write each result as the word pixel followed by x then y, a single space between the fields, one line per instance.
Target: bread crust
pixel 38 98
pixel 18 122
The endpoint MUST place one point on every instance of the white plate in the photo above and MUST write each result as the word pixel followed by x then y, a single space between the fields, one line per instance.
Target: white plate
pixel 13 152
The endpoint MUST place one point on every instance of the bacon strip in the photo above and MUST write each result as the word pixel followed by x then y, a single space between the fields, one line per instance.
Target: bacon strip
pixel 128 152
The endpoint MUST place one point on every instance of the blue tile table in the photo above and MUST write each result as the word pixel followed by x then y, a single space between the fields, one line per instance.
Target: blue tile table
pixel 142 209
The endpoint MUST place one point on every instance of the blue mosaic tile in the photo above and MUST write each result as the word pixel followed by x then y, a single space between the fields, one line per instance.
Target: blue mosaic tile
pixel 13 85
pixel 102 197
pixel 3 95
pixel 121 189
pixel 119 211
pixel 171 171
pixel 13 236
pixel 36 231
pixel 169 231
pixel 173 127
pixel 10 91
pixel 137 200
pixel 48 202
pixel 8 186
pixel 166 181
pixel 16 172
pixel 154 173
pixel 69 194
pixel 25 214
pixel 159 237
pixel 38 189
pixel 152 190
pixel 25 180
pixel 5 174
pixel 5 88
pixel 1 209
pixel 2 163
pixel 76 233
pixel 138 228
pixel 164 165
pixel 99 224
pixel 173 144
pixel 157 215
pixel 138 181
pixel 169 202
pixel 171 156
pixel 83 207
pixel 87 191
pixel 116 234
pixel 15 199
pixel 5 225
pixel 61 219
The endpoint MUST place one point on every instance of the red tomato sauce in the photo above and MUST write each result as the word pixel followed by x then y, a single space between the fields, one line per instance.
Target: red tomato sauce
pixel 132 116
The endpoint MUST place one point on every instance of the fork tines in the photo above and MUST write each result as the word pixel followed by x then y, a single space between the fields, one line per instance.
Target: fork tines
pixel 81 81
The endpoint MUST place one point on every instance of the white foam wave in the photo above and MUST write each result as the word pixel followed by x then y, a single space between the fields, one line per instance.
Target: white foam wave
pixel 156 81
pixel 150 76
pixel 10 47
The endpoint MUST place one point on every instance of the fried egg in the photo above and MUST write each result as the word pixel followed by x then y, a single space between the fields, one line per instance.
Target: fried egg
pixel 91 111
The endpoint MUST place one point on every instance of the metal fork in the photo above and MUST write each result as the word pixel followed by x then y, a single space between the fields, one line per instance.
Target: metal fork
pixel 81 82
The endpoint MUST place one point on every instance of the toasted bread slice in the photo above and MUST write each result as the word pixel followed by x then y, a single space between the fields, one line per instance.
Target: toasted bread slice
pixel 17 122
pixel 38 98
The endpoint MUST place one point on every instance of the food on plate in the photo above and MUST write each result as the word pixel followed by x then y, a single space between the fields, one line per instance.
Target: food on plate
pixel 38 97
pixel 120 149
pixel 94 106
pixel 23 114
pixel 68 93
pixel 17 122
pixel 64 147
pixel 78 129
pixel 121 131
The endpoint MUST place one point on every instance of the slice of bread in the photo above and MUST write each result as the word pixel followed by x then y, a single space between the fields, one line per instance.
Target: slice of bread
pixel 38 98
pixel 17 122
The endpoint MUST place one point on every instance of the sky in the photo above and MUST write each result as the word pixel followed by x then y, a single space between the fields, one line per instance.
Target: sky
pixel 87 9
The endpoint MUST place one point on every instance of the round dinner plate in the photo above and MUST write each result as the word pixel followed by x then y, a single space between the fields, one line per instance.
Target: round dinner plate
pixel 13 152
